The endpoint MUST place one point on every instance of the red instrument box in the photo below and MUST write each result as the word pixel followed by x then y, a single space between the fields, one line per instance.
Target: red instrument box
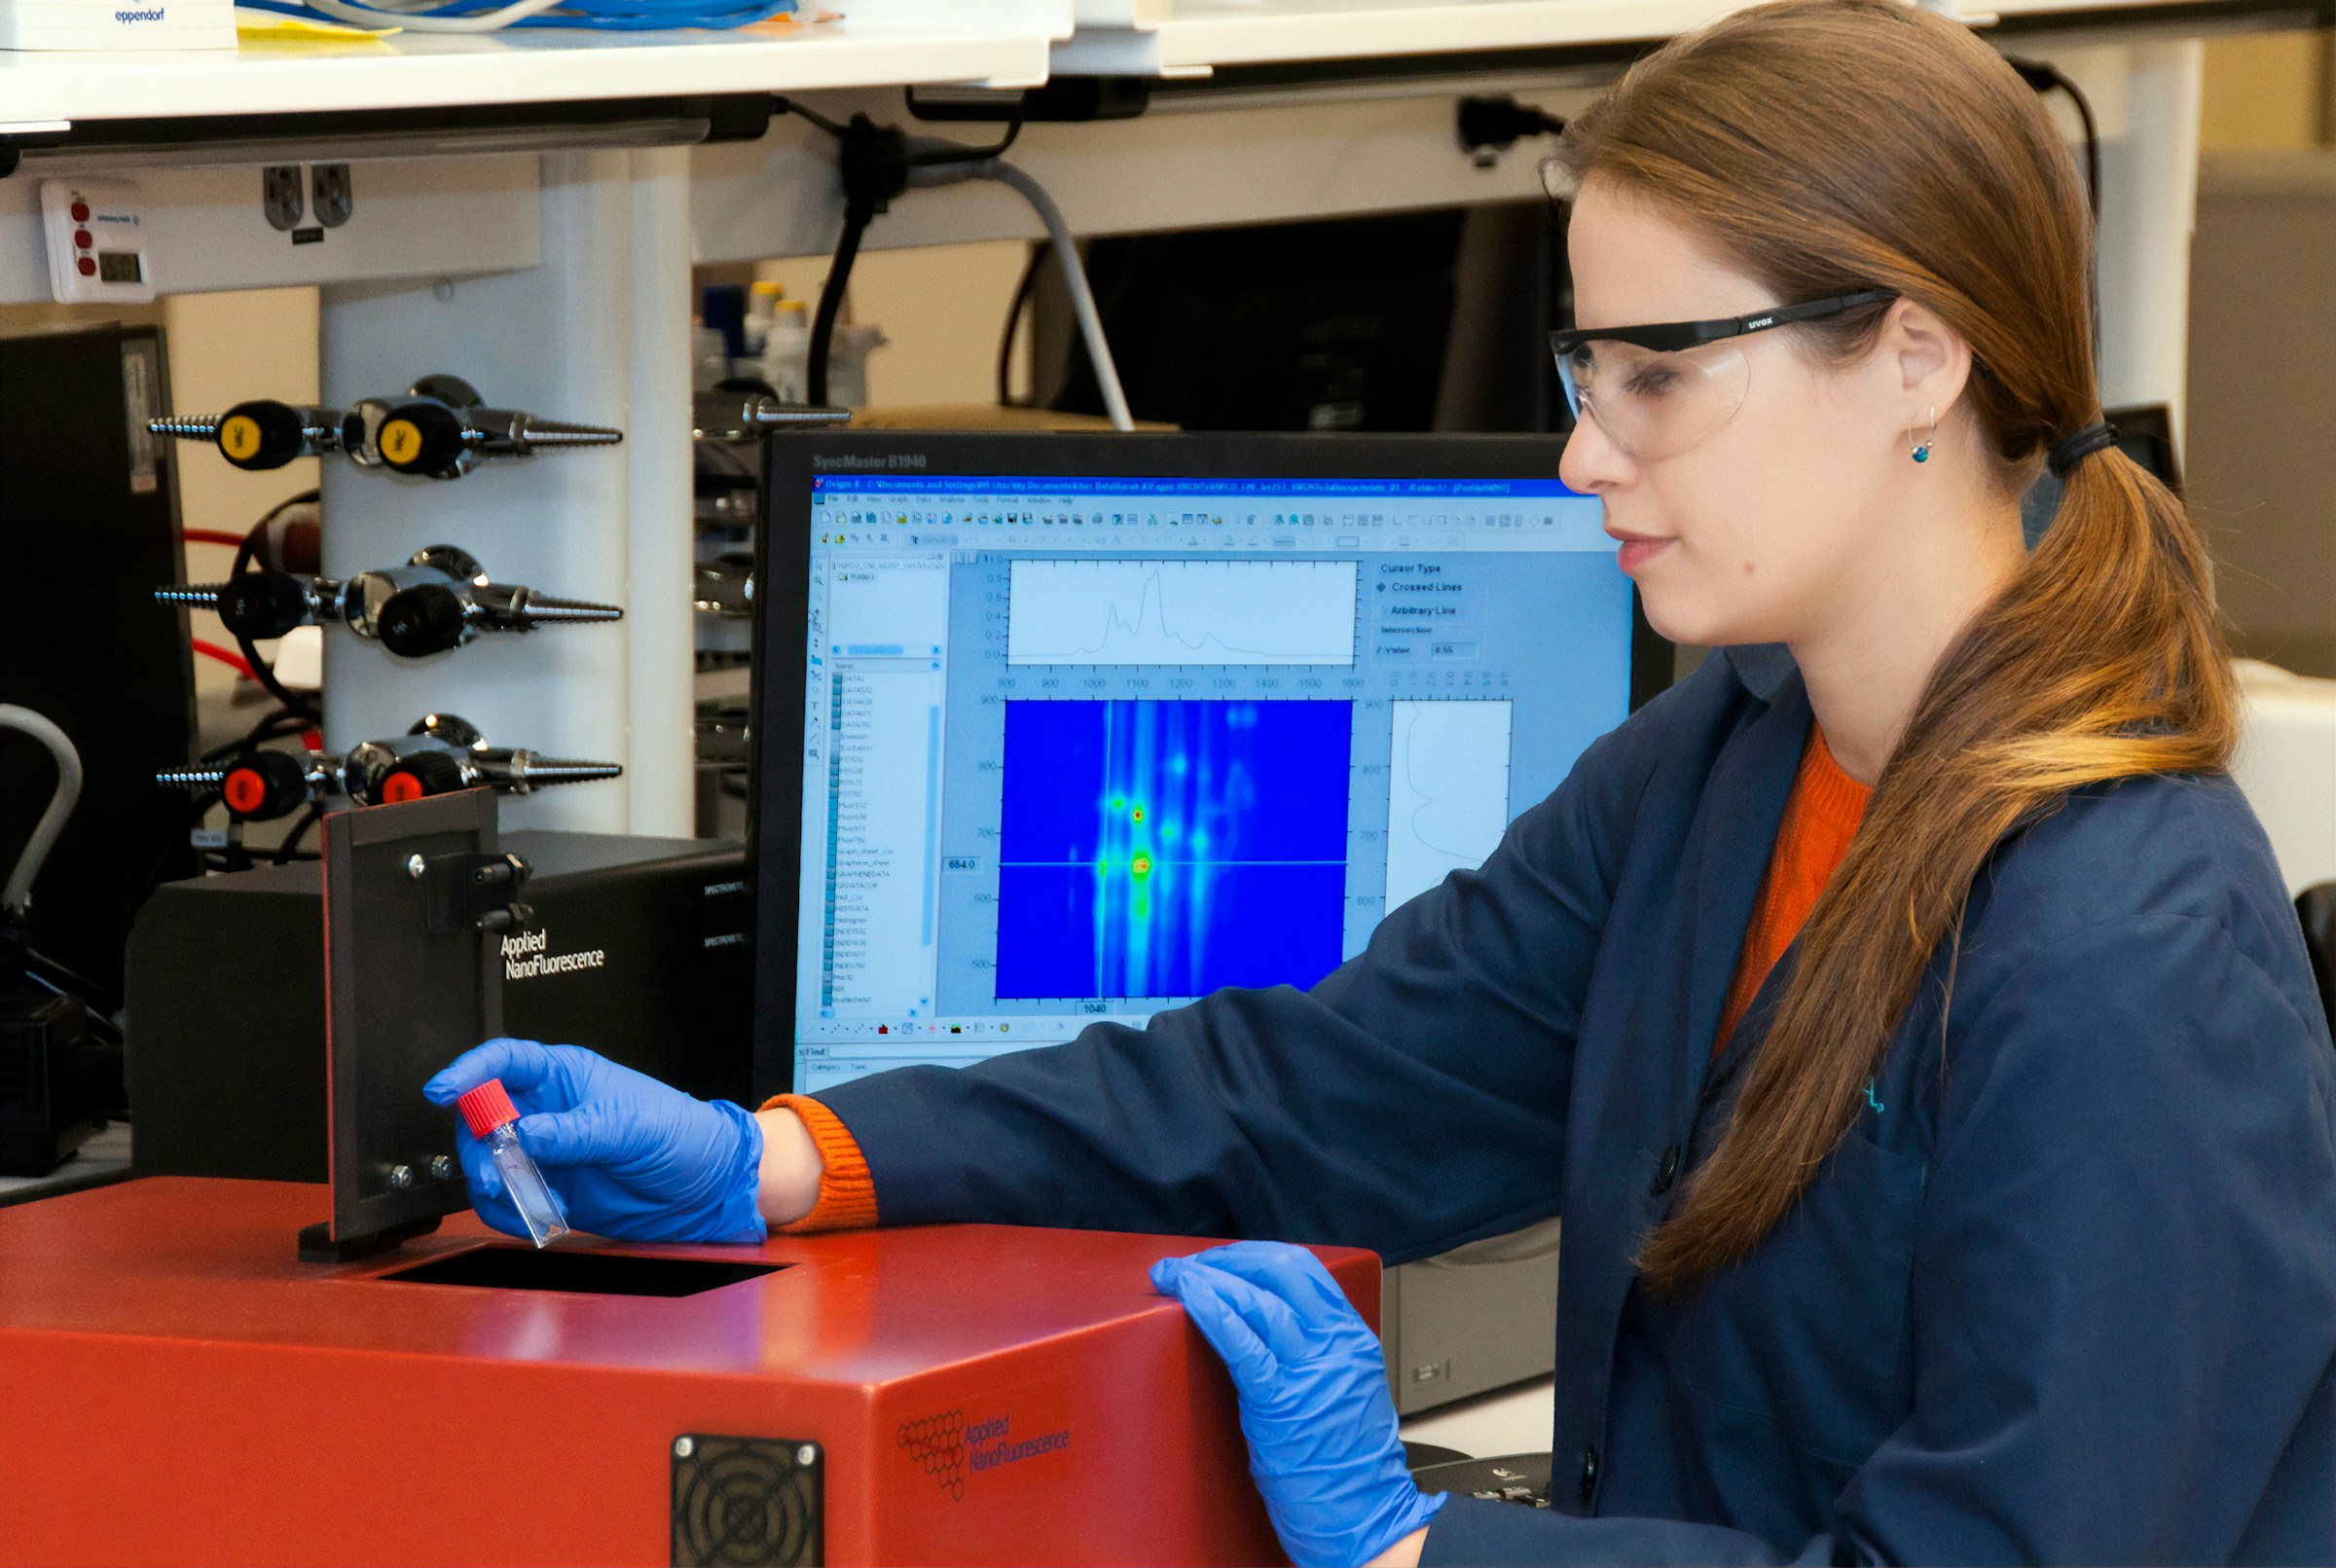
pixel 175 1388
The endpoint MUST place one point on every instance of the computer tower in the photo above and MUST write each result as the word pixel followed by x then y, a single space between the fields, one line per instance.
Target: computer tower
pixel 89 527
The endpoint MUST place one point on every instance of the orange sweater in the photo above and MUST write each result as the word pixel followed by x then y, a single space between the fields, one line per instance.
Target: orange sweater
pixel 1820 819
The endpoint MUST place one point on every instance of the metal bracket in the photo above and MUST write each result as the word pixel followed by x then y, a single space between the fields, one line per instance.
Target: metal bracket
pixel 472 892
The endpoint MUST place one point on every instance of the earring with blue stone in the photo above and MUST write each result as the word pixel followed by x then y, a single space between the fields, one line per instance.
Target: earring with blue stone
pixel 1923 451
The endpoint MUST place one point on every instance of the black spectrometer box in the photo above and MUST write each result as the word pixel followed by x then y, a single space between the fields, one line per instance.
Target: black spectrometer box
pixel 641 948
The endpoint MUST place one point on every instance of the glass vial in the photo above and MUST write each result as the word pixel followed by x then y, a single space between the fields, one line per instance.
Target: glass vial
pixel 492 1117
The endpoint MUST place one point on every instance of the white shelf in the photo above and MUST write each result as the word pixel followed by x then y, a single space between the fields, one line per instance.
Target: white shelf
pixel 1190 38
pixel 879 43
pixel 525 65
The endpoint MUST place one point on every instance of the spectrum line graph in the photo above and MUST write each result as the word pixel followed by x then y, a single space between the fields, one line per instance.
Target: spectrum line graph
pixel 1157 612
pixel 1447 791
pixel 1166 849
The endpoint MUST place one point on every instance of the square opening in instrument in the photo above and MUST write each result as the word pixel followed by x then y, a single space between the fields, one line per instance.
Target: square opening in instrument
pixel 589 1273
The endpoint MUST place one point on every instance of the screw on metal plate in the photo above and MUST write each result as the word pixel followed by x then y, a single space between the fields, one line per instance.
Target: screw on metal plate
pixel 807 1456
pixel 414 866
pixel 442 1167
pixel 683 1447
pixel 401 1177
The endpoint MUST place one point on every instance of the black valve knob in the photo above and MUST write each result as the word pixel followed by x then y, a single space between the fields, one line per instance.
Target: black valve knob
pixel 264 434
pixel 422 438
pixel 419 777
pixel 264 786
pixel 263 604
pixel 426 618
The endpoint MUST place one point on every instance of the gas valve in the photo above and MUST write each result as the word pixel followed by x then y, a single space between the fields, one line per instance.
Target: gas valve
pixel 440 599
pixel 440 429
pixel 445 428
pixel 441 753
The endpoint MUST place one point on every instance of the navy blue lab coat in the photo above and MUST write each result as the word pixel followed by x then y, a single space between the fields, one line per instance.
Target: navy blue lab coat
pixel 2067 1291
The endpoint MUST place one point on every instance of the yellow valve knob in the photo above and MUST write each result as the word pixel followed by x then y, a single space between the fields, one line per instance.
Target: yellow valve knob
pixel 263 434
pixel 240 437
pixel 401 441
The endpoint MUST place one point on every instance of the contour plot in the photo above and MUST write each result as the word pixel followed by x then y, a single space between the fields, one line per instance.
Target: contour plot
pixel 1447 791
pixel 1166 848
pixel 1149 612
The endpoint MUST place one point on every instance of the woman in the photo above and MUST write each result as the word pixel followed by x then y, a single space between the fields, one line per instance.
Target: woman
pixel 1905 1012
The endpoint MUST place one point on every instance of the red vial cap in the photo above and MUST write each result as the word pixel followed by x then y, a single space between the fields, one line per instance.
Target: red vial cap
pixel 487 1107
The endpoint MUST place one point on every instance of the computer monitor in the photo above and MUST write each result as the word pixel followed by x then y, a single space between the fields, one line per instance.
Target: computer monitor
pixel 1058 728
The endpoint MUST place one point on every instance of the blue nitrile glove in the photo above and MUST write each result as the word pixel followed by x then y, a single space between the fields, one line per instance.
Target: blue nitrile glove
pixel 1314 1401
pixel 625 1154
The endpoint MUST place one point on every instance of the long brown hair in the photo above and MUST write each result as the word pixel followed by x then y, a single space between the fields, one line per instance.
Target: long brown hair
pixel 1827 146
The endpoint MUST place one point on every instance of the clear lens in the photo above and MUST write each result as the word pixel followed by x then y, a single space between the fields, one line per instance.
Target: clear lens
pixel 1654 405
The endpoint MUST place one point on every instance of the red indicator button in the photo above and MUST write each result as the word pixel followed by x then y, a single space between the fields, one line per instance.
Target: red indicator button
pixel 81 240
pixel 244 790
pixel 80 212
pixel 88 266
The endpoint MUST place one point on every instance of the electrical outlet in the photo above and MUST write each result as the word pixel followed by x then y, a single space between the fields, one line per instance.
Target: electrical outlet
pixel 329 193
pixel 281 195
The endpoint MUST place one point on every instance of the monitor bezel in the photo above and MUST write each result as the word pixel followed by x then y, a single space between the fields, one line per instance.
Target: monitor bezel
pixel 791 460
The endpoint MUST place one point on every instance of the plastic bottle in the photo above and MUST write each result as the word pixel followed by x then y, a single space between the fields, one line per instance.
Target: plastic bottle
pixel 762 301
pixel 710 358
pixel 491 1114
pixel 787 350
pixel 848 362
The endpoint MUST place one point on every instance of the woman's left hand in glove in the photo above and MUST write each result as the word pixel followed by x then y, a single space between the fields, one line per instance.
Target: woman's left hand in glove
pixel 1314 1401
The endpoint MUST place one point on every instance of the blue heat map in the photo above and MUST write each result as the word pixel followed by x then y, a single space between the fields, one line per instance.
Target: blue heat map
pixel 1166 849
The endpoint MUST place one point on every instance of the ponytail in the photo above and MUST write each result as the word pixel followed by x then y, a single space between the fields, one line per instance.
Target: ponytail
pixel 1829 146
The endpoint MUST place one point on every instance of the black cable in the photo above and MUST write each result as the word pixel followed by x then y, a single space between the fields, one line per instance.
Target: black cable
pixel 65 980
pixel 287 852
pixel 874 162
pixel 935 157
pixel 2045 77
pixel 99 1021
pixel 1013 322
pixel 274 727
pixel 781 105
pixel 832 302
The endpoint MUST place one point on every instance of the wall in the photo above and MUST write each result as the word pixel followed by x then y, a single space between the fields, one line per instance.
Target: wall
pixel 2260 459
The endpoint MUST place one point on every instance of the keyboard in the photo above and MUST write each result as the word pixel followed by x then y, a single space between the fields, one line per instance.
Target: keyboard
pixel 1521 1479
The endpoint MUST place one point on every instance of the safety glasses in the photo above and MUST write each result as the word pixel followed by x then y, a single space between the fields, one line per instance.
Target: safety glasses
pixel 1656 390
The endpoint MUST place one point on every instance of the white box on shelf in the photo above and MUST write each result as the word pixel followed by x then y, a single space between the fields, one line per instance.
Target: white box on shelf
pixel 115 24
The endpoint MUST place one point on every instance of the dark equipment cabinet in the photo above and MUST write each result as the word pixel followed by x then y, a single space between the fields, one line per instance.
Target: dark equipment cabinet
pixel 640 950
pixel 89 528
